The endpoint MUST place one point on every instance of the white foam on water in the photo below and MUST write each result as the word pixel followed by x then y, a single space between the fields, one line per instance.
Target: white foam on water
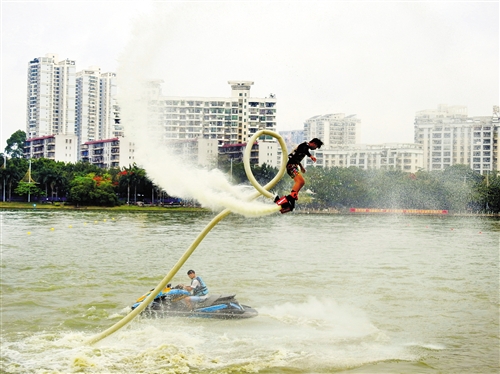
pixel 429 346
pixel 177 176
pixel 344 321
pixel 149 351
pixel 317 333
pixel 334 334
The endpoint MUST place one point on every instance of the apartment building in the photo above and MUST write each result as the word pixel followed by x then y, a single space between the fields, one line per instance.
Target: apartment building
pixel 269 153
pixel 62 101
pixel 97 112
pixel 333 129
pixel 109 111
pixel 229 120
pixel 340 135
pixel 53 147
pixel 495 122
pixel 292 138
pixel 204 152
pixel 87 104
pixel 51 95
pixel 449 136
pixel 108 153
pixel 262 152
pixel 406 157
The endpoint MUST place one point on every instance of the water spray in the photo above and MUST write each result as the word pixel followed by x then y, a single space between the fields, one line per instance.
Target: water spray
pixel 261 190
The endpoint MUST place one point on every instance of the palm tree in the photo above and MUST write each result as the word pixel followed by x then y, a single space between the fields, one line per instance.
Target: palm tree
pixel 47 176
pixel 124 180
pixel 16 168
pixel 133 175
pixel 57 182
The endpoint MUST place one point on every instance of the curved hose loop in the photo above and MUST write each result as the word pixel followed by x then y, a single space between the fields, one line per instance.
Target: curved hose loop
pixel 246 162
pixel 261 190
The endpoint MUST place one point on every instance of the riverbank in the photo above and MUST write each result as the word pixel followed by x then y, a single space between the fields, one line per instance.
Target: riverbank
pixel 181 208
pixel 121 208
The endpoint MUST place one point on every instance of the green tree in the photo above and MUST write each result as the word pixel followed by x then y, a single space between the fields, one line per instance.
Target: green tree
pixel 52 176
pixel 126 179
pixel 392 189
pixel 428 192
pixel 461 184
pixel 14 172
pixel 28 188
pixel 138 181
pixel 15 144
pixel 238 172
pixel 133 176
pixel 324 185
pixel 337 187
pixel 93 190
pixel 488 193
pixel 80 190
pixel 3 174
pixel 493 194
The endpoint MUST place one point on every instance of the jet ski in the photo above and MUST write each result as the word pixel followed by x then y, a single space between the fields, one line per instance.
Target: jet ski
pixel 170 302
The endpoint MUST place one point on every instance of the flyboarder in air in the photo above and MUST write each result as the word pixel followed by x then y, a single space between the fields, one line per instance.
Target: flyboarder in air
pixel 294 169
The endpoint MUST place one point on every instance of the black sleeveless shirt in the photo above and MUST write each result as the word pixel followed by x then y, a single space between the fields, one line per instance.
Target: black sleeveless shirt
pixel 298 154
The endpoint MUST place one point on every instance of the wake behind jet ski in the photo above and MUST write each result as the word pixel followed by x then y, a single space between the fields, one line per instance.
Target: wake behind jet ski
pixel 170 302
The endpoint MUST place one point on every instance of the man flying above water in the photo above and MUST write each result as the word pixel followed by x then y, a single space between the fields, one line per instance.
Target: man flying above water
pixel 294 169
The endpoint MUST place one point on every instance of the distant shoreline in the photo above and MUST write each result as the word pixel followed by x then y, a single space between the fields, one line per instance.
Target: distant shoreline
pixel 177 208
pixel 120 208
pixel 346 212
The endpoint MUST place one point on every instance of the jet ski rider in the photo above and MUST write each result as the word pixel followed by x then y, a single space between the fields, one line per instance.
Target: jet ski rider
pixel 198 289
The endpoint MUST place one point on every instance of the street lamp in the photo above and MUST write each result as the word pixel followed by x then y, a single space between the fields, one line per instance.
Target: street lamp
pixel 4 166
pixel 231 159
pixel 29 181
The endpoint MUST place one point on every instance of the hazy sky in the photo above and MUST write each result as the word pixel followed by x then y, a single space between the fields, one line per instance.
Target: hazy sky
pixel 382 61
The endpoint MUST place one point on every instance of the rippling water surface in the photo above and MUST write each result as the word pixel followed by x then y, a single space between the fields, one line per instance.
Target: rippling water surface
pixel 335 293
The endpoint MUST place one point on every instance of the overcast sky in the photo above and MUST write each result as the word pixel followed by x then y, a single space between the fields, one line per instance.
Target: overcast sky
pixel 382 61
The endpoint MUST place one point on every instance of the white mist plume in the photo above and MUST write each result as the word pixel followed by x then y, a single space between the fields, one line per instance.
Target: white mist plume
pixel 167 169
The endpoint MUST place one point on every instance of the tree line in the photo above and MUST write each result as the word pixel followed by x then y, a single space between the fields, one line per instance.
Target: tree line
pixel 80 183
pixel 457 188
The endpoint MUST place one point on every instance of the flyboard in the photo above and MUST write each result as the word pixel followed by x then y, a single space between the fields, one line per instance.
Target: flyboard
pixel 286 203
pixel 261 190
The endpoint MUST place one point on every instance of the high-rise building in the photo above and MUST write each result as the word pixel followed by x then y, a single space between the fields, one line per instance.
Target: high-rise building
pixel 389 156
pixel 61 101
pixel 109 117
pixel 50 97
pixel 97 112
pixel 108 153
pixel 333 129
pixel 88 104
pixel 262 152
pixel 495 122
pixel 230 120
pixel 53 147
pixel 449 137
pixel 292 138
pixel 203 152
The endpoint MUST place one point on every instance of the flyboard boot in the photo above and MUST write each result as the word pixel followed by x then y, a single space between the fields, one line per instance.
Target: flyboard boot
pixel 287 203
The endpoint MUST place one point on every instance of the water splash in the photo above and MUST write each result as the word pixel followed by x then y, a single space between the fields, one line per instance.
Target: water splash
pixel 326 316
pixel 178 177
pixel 285 339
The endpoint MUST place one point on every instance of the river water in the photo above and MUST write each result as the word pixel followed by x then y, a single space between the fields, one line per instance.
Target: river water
pixel 335 293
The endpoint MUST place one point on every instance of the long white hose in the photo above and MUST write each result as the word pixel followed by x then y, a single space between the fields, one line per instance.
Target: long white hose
pixel 260 191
